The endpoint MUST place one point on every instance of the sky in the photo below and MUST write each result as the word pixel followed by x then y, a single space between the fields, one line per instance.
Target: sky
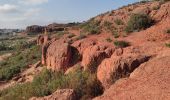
pixel 22 13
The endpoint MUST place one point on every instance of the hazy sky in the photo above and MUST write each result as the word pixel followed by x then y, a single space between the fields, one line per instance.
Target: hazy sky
pixel 21 13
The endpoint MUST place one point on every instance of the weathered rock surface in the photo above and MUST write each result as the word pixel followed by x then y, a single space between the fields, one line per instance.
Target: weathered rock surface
pixel 58 56
pixel 93 56
pixel 42 39
pixel 116 67
pixel 65 94
pixel 150 81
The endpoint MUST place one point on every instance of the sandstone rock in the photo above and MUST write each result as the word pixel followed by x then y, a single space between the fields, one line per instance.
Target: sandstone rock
pixel 94 55
pixel 42 39
pixel 64 94
pixel 162 13
pixel 34 29
pixel 83 44
pixel 116 67
pixel 58 56
pixel 150 81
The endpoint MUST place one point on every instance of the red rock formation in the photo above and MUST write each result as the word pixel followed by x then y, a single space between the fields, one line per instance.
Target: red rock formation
pixel 64 94
pixel 93 56
pixel 42 39
pixel 58 55
pixel 150 81
pixel 116 67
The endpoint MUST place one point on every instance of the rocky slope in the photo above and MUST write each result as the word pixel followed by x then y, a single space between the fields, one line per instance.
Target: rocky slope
pixel 135 69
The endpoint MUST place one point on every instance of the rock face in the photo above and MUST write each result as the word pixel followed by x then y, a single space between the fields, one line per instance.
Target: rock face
pixel 117 67
pixel 34 29
pixel 148 82
pixel 94 55
pixel 58 55
pixel 65 94
pixel 42 39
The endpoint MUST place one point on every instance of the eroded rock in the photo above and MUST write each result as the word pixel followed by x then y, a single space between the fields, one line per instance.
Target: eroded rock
pixel 116 67
pixel 150 81
pixel 63 94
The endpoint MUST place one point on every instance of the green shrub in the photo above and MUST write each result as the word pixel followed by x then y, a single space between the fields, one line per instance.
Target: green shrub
pixel 81 36
pixel 168 31
pixel 138 22
pixel 109 40
pixel 119 22
pixel 167 45
pixel 85 85
pixel 115 34
pixel 121 44
pixel 71 35
pixel 108 25
pixel 91 27
pixel 156 7
pixel 18 62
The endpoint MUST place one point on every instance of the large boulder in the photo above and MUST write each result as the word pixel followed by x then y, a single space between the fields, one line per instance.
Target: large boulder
pixel 64 94
pixel 57 55
pixel 116 67
pixel 94 55
pixel 150 81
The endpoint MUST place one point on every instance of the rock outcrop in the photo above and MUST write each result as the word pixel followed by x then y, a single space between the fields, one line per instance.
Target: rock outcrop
pixel 64 94
pixel 34 29
pixel 42 39
pixel 94 55
pixel 58 55
pixel 150 81
pixel 116 67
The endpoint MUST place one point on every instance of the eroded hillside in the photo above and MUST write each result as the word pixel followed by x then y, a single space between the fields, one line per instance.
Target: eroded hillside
pixel 123 54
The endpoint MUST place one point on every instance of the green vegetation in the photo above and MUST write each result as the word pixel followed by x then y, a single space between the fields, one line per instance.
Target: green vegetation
pixel 156 7
pixel 108 25
pixel 81 36
pixel 167 45
pixel 121 44
pixel 23 54
pixel 115 34
pixel 168 31
pixel 161 0
pixel 71 35
pixel 85 85
pixel 119 22
pixel 109 40
pixel 61 33
pixel 91 27
pixel 138 22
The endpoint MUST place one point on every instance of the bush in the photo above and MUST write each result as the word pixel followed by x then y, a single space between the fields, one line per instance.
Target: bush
pixel 91 27
pixel 18 62
pixel 115 34
pixel 119 22
pixel 167 45
pixel 168 31
pixel 109 40
pixel 85 85
pixel 138 22
pixel 121 44
pixel 81 36
pixel 108 25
